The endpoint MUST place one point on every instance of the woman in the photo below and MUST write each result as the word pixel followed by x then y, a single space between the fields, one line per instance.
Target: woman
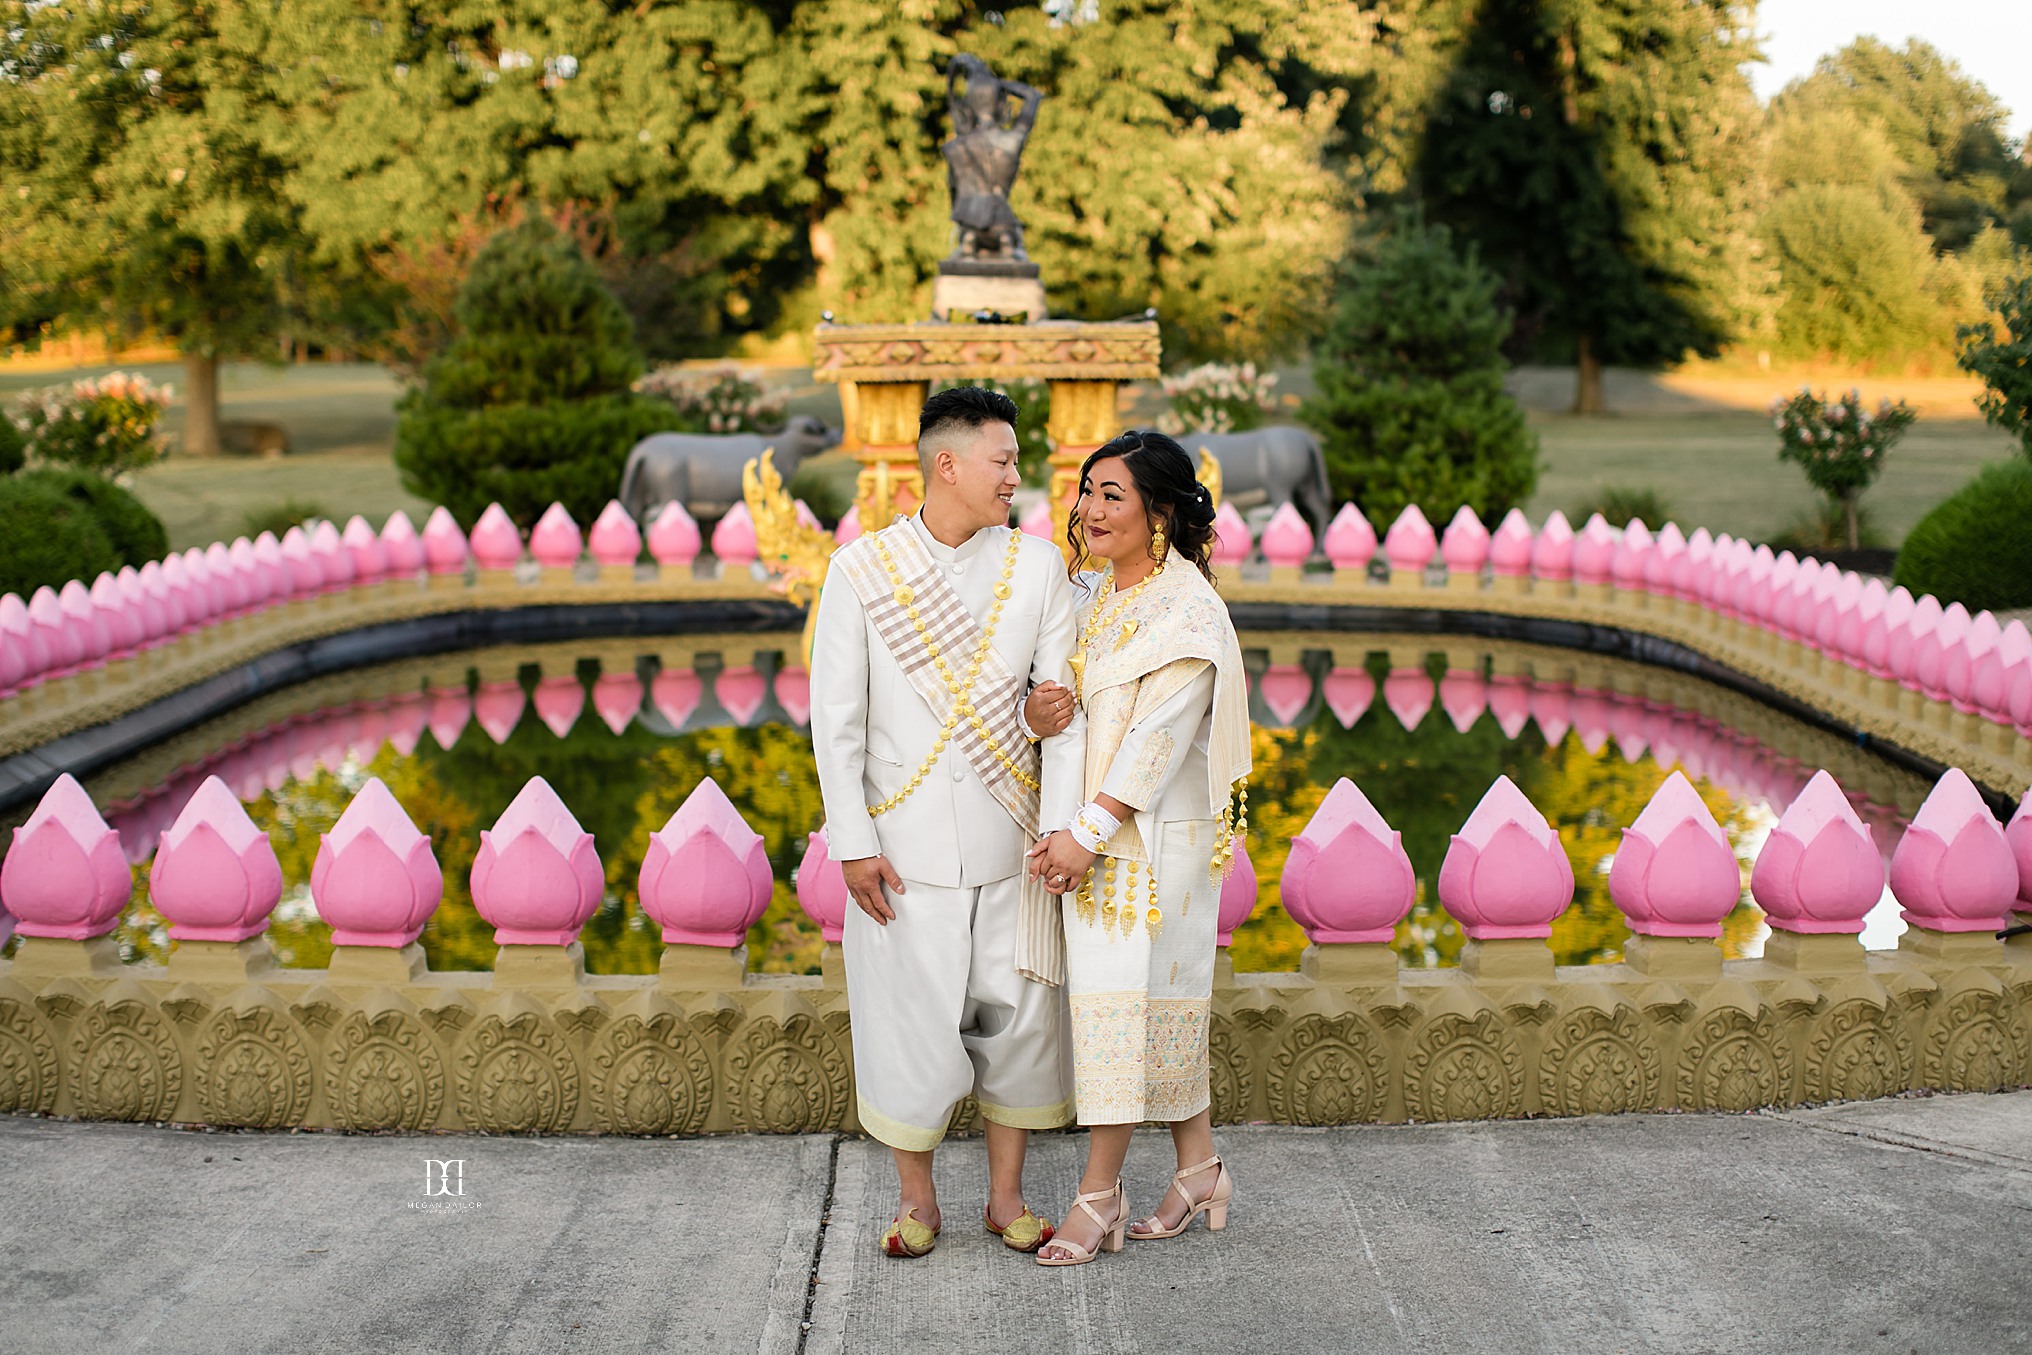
pixel 1159 674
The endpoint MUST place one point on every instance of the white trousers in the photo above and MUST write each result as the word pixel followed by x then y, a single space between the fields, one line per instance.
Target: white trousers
pixel 939 1011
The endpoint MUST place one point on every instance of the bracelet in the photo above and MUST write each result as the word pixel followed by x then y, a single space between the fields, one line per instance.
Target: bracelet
pixel 1092 826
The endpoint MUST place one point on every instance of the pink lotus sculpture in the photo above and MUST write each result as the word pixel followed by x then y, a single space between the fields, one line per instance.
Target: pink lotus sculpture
pixel 1930 651
pixel 555 541
pixel 230 584
pixel 375 881
pixel 706 876
pixel 536 877
pixel 1232 542
pixel 1285 689
pixel 267 558
pixel 1661 564
pixel 1510 547
pixel 850 525
pixel 1779 598
pixel 121 620
pixel 1675 874
pixel 306 572
pixel 1350 542
pixel 449 709
pixel 1552 708
pixel 617 697
pixel 495 542
pixel 1465 547
pixel 1907 643
pixel 1594 551
pixel 1287 541
pixel 23 653
pixel 2019 835
pixel 444 545
pixel 1035 521
pixel 1632 556
pixel 559 702
pixel 674 536
pixel 370 559
pixel 65 875
pixel 1960 662
pixel 676 693
pixel 616 541
pixel 498 707
pixel 1953 870
pixel 1408 694
pixel 1990 675
pixel 83 619
pixel 1692 569
pixel 1510 703
pixel 734 537
pixel 1506 875
pixel 822 889
pixel 1819 871
pixel 1348 692
pixel 1463 695
pixel 793 693
pixel 1238 895
pixel 1880 630
pixel 741 691
pixel 335 562
pixel 1410 542
pixel 1552 553
pixel 400 544
pixel 215 875
pixel 1348 879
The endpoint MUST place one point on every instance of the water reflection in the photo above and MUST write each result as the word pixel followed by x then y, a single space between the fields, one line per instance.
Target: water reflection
pixel 625 736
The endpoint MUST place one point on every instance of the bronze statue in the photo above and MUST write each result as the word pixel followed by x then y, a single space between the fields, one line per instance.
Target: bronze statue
pixel 992 118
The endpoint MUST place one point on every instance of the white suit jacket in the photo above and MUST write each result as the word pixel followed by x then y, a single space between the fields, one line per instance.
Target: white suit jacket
pixel 871 730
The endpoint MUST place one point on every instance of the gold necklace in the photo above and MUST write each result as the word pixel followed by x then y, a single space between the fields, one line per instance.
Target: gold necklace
pixel 960 689
pixel 1096 623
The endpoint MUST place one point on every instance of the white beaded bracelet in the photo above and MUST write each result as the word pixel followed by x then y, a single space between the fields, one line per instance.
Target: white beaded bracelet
pixel 1092 826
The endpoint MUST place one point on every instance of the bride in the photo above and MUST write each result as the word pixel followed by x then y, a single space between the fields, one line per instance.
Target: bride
pixel 1159 675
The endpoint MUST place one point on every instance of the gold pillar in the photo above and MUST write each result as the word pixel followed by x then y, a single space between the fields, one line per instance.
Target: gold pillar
pixel 885 428
pixel 1082 418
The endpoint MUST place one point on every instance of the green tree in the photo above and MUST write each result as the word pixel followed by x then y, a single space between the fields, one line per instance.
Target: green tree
pixel 2003 361
pixel 1410 406
pixel 530 403
pixel 142 185
pixel 1603 157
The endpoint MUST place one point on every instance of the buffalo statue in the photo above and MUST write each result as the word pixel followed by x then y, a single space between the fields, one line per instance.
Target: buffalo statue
pixel 1269 466
pixel 702 471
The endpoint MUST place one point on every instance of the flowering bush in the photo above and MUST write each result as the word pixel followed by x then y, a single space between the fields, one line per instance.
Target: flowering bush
pixel 1217 398
pixel 719 401
pixel 1840 445
pixel 105 424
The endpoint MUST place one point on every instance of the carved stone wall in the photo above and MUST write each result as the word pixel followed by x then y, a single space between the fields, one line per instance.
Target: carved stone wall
pixel 222 1036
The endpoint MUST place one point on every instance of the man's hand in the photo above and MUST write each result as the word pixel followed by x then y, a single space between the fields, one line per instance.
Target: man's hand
pixel 865 879
pixel 1060 862
pixel 1048 709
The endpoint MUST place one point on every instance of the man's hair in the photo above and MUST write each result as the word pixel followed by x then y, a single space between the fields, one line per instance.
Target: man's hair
pixel 960 409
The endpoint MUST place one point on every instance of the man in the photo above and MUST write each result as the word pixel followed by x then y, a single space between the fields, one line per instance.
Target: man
pixel 929 634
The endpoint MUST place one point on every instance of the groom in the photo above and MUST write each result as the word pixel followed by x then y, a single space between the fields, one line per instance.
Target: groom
pixel 929 634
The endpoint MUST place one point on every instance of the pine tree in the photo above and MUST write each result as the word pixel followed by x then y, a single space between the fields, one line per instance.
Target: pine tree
pixel 1601 153
pixel 1410 405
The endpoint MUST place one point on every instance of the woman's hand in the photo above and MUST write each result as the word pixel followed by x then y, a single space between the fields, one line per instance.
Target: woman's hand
pixel 1060 862
pixel 1048 709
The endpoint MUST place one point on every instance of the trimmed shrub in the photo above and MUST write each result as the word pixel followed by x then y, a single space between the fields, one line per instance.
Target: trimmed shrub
pixel 279 518
pixel 136 534
pixel 13 445
pixel 1411 406
pixel 1619 503
pixel 1975 548
pixel 48 535
pixel 530 403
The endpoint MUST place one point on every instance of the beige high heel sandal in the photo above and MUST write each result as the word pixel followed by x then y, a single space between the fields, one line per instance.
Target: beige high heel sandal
pixel 1111 1233
pixel 1214 1206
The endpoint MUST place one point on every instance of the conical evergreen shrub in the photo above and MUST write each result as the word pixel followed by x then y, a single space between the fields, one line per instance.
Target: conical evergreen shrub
pixel 529 403
pixel 1410 406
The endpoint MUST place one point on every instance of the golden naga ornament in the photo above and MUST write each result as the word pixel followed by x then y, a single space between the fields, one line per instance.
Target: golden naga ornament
pixel 793 550
pixel 1210 474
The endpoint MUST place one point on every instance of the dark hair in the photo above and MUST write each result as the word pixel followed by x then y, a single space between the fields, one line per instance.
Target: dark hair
pixel 1172 495
pixel 963 407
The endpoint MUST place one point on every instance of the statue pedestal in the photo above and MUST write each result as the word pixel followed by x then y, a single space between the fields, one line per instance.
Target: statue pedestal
pixel 964 286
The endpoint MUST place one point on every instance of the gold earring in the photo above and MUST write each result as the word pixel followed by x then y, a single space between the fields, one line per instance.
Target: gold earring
pixel 1159 547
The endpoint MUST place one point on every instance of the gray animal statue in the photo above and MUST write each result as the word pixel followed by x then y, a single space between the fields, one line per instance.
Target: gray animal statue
pixel 1272 466
pixel 702 471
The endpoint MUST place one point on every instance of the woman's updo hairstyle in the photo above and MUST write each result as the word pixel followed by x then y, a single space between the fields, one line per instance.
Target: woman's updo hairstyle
pixel 1172 495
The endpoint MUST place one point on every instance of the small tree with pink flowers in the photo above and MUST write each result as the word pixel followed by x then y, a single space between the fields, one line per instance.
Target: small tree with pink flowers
pixel 1840 445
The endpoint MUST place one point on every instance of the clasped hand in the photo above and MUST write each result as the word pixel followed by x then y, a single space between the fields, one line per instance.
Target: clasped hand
pixel 1048 709
pixel 1060 862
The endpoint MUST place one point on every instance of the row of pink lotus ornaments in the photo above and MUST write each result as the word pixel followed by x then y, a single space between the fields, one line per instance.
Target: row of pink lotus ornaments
pixel 705 878
pixel 1977 664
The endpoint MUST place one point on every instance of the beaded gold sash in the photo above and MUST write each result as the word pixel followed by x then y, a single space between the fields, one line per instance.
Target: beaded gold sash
pixel 930 632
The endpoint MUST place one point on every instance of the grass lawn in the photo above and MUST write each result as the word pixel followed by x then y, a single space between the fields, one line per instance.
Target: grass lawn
pixel 1715 465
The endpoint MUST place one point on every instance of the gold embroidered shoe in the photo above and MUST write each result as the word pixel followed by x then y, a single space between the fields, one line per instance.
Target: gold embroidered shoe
pixel 907 1237
pixel 1025 1233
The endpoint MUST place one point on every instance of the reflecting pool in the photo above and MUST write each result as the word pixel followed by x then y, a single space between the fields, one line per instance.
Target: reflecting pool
pixel 624 729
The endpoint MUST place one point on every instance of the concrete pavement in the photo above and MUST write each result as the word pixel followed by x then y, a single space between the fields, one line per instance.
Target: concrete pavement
pixel 1901 1225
